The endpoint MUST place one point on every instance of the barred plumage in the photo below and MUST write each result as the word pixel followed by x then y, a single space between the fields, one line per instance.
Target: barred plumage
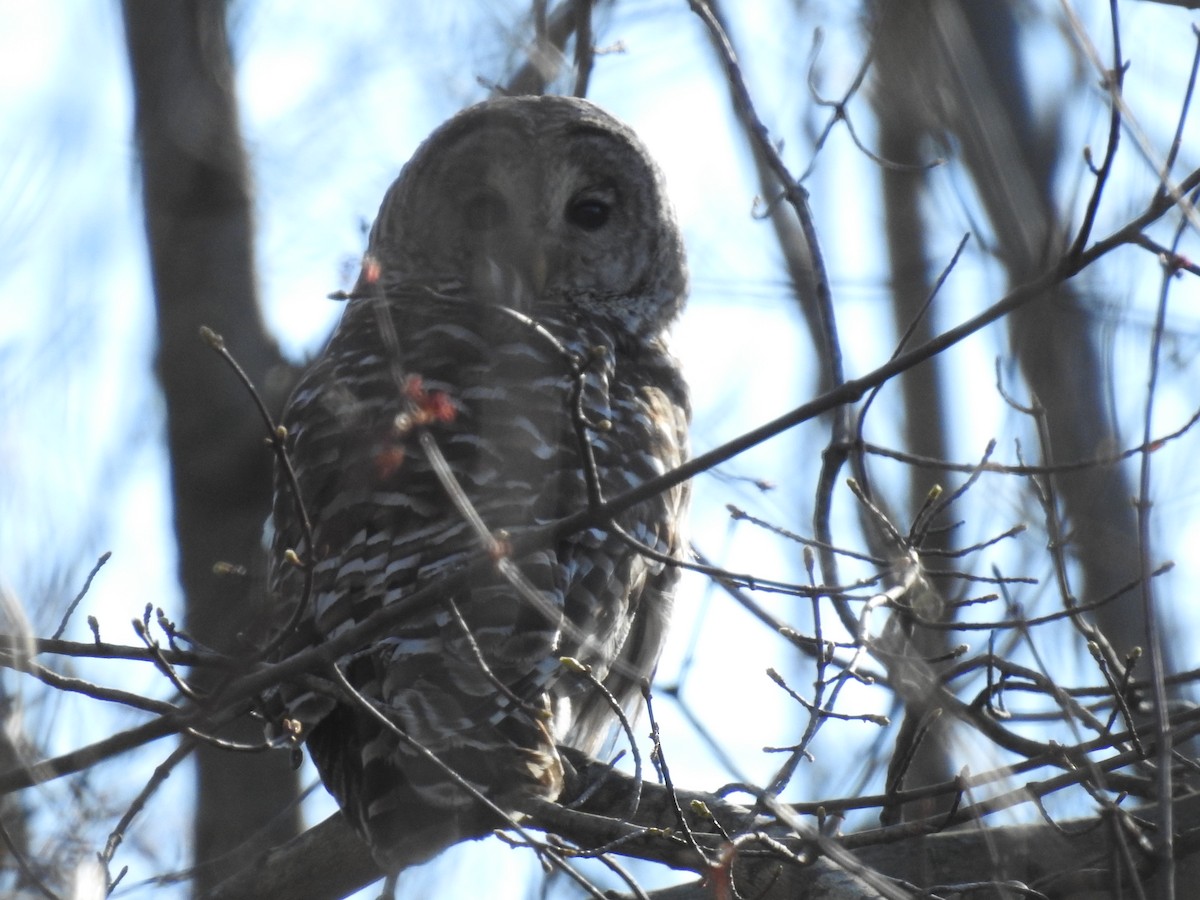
pixel 510 321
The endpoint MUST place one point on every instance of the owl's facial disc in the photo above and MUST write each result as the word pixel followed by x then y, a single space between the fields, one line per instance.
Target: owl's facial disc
pixel 536 215
pixel 544 202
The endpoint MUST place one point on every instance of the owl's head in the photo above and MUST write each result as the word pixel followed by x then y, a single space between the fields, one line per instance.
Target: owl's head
pixel 535 202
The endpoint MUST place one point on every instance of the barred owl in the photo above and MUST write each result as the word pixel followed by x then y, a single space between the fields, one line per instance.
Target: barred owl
pixel 501 364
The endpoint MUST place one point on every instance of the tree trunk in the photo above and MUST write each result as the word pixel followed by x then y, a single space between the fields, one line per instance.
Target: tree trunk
pixel 198 223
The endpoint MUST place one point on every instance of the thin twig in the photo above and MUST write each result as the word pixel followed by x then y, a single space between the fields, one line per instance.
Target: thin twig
pixel 660 762
pixel 161 663
pixel 160 775
pixel 277 435
pixel 62 626
pixel 586 672
pixel 1114 81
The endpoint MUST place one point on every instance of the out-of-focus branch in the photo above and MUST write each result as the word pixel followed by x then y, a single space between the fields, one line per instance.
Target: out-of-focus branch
pixel 545 54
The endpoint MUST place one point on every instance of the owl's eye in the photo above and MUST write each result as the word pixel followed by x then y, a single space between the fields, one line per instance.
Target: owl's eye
pixel 484 211
pixel 588 213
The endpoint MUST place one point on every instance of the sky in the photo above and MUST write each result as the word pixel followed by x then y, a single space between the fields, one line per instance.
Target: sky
pixel 330 112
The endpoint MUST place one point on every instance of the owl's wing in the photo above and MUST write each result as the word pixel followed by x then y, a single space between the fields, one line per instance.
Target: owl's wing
pixel 471 678
pixel 462 677
pixel 617 594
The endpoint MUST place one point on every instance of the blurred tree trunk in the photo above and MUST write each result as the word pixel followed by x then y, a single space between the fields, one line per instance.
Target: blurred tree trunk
pixel 1012 160
pixel 903 141
pixel 962 75
pixel 947 67
pixel 198 222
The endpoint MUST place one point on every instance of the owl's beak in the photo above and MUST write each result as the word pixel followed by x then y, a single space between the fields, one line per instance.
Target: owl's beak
pixel 537 267
pixel 529 271
pixel 517 274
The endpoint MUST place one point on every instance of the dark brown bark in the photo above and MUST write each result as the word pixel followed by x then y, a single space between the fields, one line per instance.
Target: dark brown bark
pixel 198 223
